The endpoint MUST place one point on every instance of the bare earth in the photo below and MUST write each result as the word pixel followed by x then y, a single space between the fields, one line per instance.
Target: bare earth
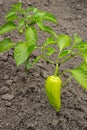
pixel 23 102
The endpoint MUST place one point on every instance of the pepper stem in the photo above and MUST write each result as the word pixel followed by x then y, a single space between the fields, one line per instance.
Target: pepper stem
pixel 56 70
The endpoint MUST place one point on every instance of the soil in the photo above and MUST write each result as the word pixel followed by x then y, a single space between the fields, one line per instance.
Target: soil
pixel 23 102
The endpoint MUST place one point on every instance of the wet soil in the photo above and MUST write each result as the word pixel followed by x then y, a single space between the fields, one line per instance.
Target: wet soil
pixel 23 102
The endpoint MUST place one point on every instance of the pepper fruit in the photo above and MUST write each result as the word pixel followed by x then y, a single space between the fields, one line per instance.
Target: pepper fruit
pixel 20 31
pixel 53 91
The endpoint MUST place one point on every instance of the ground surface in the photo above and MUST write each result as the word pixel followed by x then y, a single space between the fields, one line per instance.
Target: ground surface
pixel 23 103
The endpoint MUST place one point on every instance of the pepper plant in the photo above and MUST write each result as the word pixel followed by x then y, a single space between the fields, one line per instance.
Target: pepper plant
pixel 30 22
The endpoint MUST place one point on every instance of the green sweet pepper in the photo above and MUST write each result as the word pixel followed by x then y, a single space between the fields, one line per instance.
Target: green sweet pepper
pixel 53 89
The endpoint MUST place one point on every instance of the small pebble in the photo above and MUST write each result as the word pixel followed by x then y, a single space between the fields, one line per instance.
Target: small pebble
pixel 4 90
pixel 8 104
pixel 6 77
pixel 9 82
pixel 44 74
pixel 8 97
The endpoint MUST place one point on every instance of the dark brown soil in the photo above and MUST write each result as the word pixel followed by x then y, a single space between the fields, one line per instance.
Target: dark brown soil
pixel 23 103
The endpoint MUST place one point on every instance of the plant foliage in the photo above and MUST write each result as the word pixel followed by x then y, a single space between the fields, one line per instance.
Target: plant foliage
pixel 31 21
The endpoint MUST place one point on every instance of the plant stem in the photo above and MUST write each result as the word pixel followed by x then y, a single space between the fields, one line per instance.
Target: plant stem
pixel 64 72
pixel 67 81
pixel 67 59
pixel 56 70
pixel 50 61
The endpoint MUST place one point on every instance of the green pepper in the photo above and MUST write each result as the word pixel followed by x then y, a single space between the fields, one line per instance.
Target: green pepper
pixel 21 31
pixel 53 91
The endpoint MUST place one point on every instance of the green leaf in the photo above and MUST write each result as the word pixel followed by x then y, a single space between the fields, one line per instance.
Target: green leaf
pixel 30 8
pixel 38 14
pixel 28 65
pixel 10 13
pixel 82 48
pixel 21 23
pixel 82 45
pixel 84 54
pixel 37 59
pixel 49 40
pixel 21 53
pixel 7 27
pixel 49 17
pixel 31 35
pixel 17 7
pixel 84 66
pixel 64 53
pixel 63 41
pixel 41 15
pixel 31 47
pixel 11 16
pixel 50 51
pixel 77 39
pixel 46 28
pixel 80 74
pixel 6 44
